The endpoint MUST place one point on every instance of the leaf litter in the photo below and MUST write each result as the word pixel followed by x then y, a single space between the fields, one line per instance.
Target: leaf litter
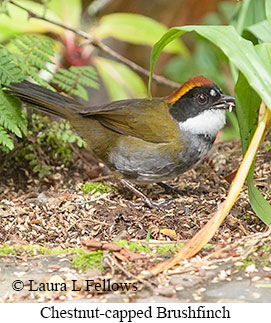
pixel 58 214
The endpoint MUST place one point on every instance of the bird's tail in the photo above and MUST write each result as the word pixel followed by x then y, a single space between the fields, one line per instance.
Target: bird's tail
pixel 44 100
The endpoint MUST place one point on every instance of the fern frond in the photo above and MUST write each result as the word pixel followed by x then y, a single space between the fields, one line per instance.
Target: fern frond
pixel 9 71
pixel 34 73
pixel 81 92
pixel 33 53
pixel 5 140
pixel 37 50
pixel 11 119
pixel 73 80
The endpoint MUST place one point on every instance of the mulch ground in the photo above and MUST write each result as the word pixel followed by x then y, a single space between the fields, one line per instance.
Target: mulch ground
pixel 54 212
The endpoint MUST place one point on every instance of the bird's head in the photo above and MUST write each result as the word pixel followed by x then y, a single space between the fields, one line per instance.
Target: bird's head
pixel 199 106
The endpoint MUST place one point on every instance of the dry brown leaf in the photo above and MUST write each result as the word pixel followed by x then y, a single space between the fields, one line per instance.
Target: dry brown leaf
pixel 92 244
pixel 111 246
pixel 130 254
pixel 168 232
pixel 120 256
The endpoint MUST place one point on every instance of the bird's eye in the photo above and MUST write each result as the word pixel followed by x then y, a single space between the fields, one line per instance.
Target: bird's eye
pixel 202 98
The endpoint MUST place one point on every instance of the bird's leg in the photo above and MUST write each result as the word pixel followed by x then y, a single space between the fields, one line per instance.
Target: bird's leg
pixel 147 201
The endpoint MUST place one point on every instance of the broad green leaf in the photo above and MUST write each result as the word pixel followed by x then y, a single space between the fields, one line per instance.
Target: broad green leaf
pixel 251 12
pixel 242 16
pixel 264 51
pixel 18 22
pixel 120 81
pixel 136 29
pixel 259 204
pixel 247 107
pixel 239 51
pixel 261 30
pixel 68 11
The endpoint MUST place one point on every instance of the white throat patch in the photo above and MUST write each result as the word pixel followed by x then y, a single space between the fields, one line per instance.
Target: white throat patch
pixel 208 122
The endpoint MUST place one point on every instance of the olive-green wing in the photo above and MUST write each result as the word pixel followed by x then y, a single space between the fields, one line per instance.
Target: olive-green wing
pixel 142 118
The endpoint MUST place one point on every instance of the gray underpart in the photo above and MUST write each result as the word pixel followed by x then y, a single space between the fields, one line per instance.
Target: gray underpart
pixel 144 166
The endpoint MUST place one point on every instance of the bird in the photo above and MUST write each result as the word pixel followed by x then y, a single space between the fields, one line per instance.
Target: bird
pixel 142 140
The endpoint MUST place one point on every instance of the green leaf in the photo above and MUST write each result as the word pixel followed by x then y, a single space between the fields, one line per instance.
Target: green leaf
pixel 18 22
pixel 136 29
pixel 34 73
pixel 247 107
pixel 80 91
pixel 5 139
pixel 68 11
pixel 251 12
pixel 264 51
pixel 120 81
pixel 95 187
pixel 11 120
pixel 37 50
pixel 75 79
pixel 239 51
pixel 259 204
pixel 9 72
pixel 11 117
pixel 242 16
pixel 261 30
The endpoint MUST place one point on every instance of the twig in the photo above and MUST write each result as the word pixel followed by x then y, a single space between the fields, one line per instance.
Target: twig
pixel 158 78
pixel 98 44
pixel 79 154
pixel 108 262
pixel 31 14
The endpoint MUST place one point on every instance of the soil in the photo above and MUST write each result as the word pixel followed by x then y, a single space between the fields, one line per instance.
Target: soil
pixel 55 213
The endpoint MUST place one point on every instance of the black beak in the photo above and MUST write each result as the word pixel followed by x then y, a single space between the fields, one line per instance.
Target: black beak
pixel 225 102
